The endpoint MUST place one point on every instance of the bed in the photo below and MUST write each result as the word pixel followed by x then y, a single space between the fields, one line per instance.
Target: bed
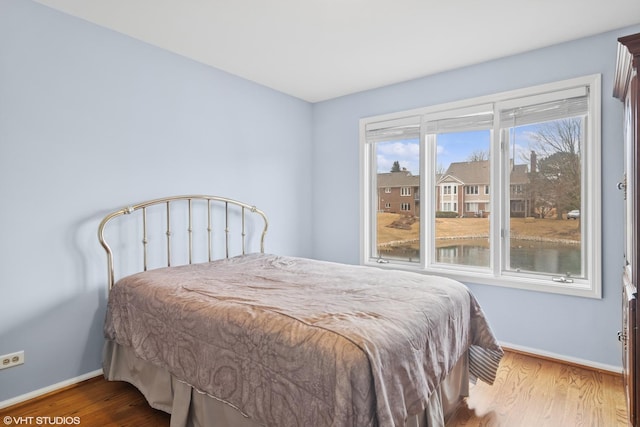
pixel 219 338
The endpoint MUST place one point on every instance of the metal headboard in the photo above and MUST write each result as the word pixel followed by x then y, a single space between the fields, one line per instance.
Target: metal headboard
pixel 223 202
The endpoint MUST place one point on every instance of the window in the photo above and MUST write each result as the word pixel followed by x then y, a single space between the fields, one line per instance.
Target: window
pixel 395 235
pixel 517 206
pixel 471 207
pixel 449 207
pixel 387 190
pixel 471 189
pixel 536 148
pixel 449 189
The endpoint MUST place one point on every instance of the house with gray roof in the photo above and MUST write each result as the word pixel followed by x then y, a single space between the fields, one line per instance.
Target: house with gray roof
pixel 463 189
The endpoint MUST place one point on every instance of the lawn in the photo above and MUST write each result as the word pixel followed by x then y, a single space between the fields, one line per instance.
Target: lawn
pixel 521 228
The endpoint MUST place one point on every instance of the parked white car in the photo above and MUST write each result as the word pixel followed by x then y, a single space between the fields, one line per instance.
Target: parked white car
pixel 575 214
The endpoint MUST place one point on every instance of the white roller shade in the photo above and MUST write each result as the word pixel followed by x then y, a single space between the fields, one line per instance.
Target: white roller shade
pixel 393 130
pixel 536 110
pixel 461 120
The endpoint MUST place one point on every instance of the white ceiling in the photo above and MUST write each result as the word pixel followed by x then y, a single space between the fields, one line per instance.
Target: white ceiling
pixel 321 49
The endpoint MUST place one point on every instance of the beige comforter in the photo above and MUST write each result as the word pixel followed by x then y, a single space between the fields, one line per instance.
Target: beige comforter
pixel 297 342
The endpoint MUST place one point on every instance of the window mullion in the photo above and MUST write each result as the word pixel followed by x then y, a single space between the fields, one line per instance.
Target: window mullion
pixel 498 226
pixel 427 196
pixel 371 224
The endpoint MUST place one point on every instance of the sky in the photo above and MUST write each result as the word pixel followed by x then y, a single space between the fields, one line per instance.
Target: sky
pixel 451 147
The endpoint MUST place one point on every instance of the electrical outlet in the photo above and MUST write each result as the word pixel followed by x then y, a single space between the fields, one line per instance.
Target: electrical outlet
pixel 11 360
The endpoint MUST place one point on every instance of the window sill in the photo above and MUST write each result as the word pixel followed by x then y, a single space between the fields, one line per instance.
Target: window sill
pixel 580 287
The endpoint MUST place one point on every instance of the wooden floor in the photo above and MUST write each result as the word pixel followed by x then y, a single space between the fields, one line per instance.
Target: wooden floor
pixel 96 402
pixel 529 392
pixel 533 392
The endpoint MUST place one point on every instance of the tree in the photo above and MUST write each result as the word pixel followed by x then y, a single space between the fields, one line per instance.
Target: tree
pixel 395 167
pixel 478 156
pixel 555 166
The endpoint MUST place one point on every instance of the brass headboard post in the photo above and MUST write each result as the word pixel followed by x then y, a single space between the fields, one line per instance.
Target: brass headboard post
pixel 243 231
pixel 227 203
pixel 226 228
pixel 190 231
pixel 145 240
pixel 168 233
pixel 209 232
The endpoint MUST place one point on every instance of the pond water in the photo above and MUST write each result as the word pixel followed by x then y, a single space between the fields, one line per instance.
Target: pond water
pixel 539 257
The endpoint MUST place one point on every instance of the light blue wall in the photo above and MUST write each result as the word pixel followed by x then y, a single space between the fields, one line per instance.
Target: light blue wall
pixel 90 121
pixel 569 326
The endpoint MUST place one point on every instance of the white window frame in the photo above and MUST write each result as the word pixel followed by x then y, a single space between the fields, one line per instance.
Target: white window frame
pixel 590 287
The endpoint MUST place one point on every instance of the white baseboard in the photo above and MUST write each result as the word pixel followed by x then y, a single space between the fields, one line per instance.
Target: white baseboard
pixel 563 358
pixel 49 389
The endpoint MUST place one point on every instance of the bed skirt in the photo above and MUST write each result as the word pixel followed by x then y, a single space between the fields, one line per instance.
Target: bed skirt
pixel 191 408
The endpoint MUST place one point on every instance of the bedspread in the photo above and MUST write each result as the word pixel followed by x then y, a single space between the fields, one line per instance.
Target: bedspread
pixel 292 341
